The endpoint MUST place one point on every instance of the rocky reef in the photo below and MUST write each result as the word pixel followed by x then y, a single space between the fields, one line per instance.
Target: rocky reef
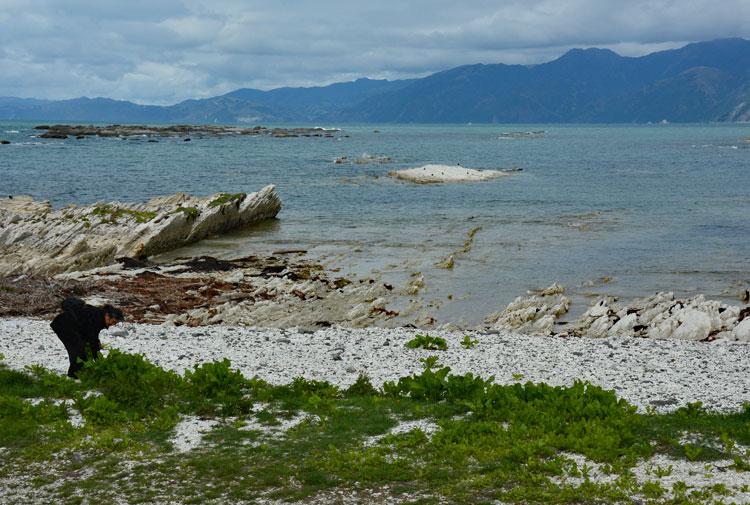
pixel 62 131
pixel 35 239
pixel 282 290
pixel 660 316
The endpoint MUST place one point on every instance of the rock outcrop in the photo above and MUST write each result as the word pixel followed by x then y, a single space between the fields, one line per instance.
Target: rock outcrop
pixel 534 314
pixel 34 239
pixel 432 174
pixel 660 316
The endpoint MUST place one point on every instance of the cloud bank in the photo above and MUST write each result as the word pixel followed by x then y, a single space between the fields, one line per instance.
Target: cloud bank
pixel 168 50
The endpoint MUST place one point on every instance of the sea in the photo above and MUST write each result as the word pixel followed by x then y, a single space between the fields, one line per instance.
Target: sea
pixel 605 210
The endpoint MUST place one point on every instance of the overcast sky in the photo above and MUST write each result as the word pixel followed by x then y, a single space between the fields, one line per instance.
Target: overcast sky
pixel 164 51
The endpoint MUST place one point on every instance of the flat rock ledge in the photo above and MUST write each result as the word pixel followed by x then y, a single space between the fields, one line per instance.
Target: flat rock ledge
pixel 436 174
pixel 37 240
pixel 64 131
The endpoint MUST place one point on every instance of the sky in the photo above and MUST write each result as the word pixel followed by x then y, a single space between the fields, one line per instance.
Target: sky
pixel 166 51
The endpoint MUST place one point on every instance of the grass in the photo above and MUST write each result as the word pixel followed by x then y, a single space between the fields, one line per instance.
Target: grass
pixel 189 212
pixel 493 442
pixel 111 214
pixel 225 198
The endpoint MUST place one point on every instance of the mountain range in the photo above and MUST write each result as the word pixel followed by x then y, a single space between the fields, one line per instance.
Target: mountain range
pixel 700 82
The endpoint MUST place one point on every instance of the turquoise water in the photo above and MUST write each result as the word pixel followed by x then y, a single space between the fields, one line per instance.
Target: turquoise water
pixel 652 207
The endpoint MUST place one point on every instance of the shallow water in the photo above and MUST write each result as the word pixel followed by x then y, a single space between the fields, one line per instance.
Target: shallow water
pixel 652 207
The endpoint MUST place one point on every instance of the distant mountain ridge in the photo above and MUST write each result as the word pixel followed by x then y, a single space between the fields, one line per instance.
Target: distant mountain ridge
pixel 701 82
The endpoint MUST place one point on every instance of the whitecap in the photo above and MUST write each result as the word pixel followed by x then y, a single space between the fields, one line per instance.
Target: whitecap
pixel 11 131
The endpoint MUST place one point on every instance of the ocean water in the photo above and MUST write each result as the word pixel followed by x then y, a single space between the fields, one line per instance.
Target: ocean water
pixel 650 207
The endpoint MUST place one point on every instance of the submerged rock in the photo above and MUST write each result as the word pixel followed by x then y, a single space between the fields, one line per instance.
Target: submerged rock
pixel 35 239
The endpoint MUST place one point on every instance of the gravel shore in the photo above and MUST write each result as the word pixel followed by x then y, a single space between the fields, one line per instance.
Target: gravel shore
pixel 663 374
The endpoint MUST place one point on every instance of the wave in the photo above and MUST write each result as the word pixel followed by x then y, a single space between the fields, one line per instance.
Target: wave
pixel 11 131
pixel 521 135
pixel 716 146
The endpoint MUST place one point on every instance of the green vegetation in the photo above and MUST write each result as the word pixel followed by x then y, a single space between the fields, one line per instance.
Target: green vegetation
pixel 468 342
pixel 510 443
pixel 224 198
pixel 111 214
pixel 427 342
pixel 469 242
pixel 190 212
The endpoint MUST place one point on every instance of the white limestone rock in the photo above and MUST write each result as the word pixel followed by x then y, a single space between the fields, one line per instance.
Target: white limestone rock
pixel 35 239
pixel 659 316
pixel 694 324
pixel 535 314
pixel 741 332
pixel 431 174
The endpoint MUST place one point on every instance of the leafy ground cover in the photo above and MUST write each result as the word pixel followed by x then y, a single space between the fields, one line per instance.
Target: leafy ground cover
pixel 520 443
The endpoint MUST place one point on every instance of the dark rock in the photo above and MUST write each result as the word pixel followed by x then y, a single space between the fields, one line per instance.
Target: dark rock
pixel 664 403
pixel 132 263
pixel 4 142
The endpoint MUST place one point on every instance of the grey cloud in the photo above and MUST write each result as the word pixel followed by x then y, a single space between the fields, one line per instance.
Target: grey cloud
pixel 168 50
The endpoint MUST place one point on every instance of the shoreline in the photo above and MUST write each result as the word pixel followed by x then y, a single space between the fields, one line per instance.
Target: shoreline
pixel 651 374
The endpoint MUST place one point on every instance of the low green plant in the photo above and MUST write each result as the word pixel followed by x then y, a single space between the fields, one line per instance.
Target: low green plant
pixel 215 387
pixel 692 452
pixel 429 362
pixel 361 387
pixel 661 471
pixel 468 342
pixel 100 411
pixel 23 424
pixel 504 443
pixel 740 464
pixel 427 342
pixel 189 212
pixel 652 489
pixel 225 198
pixel 111 213
pixel 133 383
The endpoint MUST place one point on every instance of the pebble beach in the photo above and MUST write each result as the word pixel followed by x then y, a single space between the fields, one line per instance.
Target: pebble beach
pixel 651 374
